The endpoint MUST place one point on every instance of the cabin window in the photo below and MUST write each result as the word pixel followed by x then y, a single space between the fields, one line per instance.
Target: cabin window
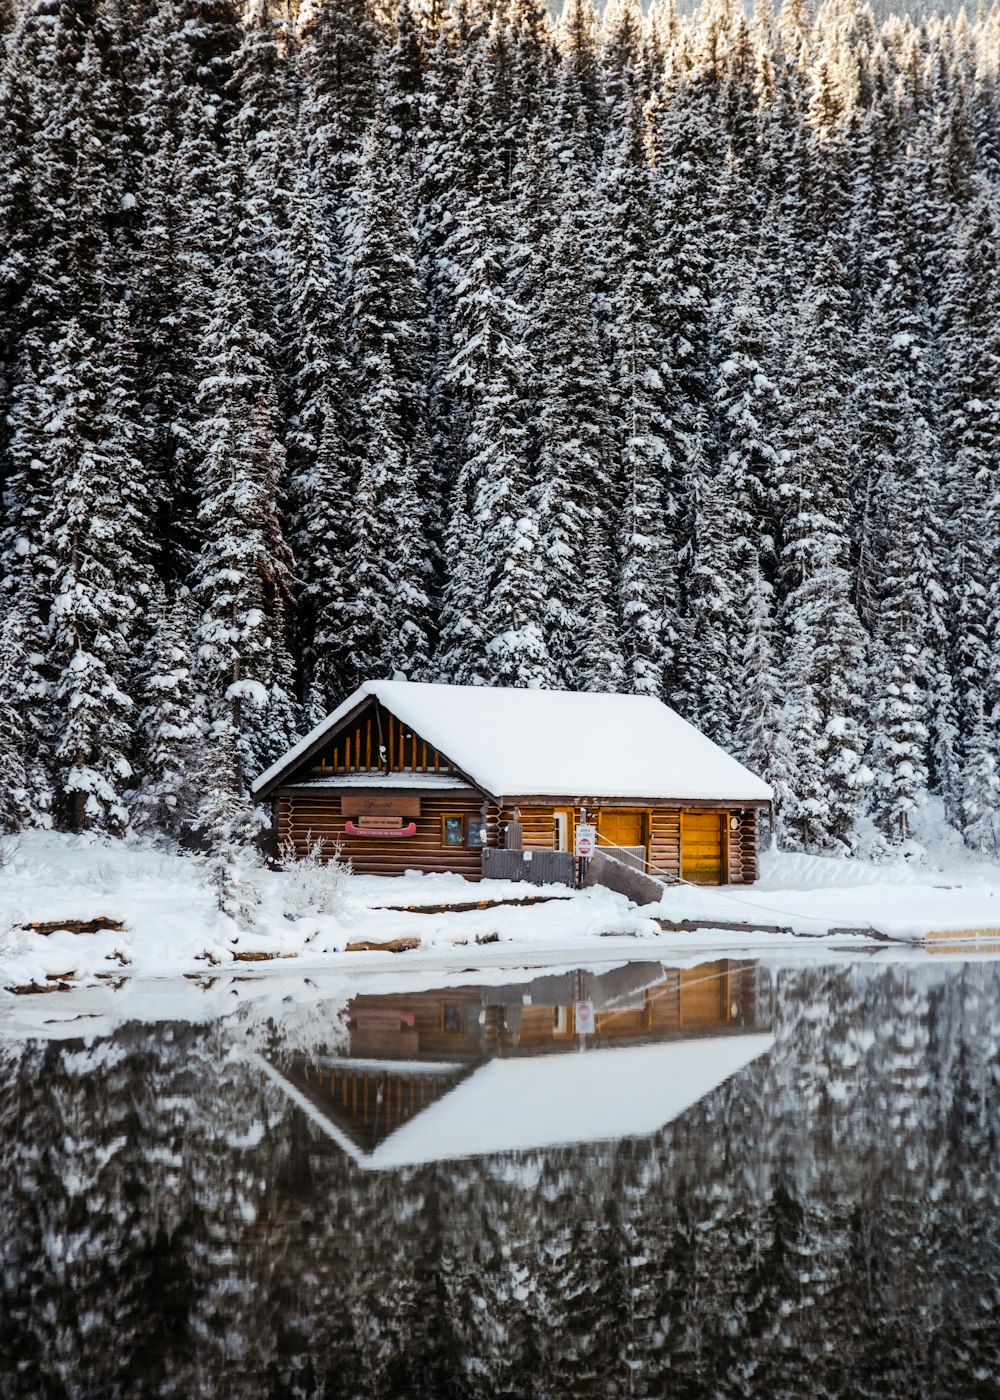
pixel 475 830
pixel 451 1018
pixel 453 829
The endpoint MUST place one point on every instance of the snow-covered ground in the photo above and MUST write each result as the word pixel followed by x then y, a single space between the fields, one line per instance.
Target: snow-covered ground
pixel 173 927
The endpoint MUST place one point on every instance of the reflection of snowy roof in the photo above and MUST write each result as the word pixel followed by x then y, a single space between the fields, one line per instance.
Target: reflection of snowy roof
pixel 554 743
pixel 554 1100
pixel 385 781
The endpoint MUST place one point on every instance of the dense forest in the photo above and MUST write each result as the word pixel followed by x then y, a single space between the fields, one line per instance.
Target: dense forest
pixel 636 351
pixel 823 1224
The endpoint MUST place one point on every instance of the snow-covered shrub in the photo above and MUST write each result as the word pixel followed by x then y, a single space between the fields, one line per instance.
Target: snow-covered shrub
pixel 233 873
pixel 315 882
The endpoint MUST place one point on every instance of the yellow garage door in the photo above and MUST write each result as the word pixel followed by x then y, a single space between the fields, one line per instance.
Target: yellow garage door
pixel 702 847
pixel 703 997
pixel 622 828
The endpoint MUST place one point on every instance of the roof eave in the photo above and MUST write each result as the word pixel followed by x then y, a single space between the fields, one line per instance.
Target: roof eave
pixel 262 789
pixel 593 799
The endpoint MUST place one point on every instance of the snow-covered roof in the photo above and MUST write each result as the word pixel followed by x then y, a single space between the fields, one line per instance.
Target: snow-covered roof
pixel 554 1100
pixel 552 743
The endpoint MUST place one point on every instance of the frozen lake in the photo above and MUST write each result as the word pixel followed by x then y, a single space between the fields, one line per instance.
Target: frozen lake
pixel 734 1178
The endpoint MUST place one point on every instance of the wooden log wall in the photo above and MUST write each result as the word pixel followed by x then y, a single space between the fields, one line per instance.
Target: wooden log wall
pixel 427 1012
pixel 307 815
pixel 743 849
pixel 665 841
pixel 538 827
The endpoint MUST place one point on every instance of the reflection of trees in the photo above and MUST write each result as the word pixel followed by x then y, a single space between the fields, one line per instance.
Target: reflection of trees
pixel 824 1224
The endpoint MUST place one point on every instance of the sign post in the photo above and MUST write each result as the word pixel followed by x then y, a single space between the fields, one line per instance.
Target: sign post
pixel 583 1015
pixel 586 840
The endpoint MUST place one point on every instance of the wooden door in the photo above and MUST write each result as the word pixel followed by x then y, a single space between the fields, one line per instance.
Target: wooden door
pixel 563 837
pixel 703 847
pixel 622 828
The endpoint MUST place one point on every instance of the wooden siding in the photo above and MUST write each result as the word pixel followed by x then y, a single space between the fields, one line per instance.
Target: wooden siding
pixel 538 826
pixel 665 842
pixel 743 848
pixel 713 995
pixel 305 814
pixel 422 1016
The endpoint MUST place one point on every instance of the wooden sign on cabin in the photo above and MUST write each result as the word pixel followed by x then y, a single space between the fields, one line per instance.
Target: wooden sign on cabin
pixel 370 805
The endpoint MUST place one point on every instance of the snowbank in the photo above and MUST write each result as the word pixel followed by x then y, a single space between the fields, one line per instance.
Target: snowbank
pixel 815 895
pixel 172 926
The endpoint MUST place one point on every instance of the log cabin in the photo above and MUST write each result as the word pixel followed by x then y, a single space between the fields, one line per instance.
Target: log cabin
pixel 436 778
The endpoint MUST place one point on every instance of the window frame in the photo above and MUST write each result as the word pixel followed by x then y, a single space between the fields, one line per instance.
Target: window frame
pixel 474 822
pixel 452 1006
pixel 452 817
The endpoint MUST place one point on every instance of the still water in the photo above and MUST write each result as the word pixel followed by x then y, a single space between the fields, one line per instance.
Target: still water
pixel 730 1179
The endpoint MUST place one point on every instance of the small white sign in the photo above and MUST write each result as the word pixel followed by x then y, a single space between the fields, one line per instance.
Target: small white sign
pixel 586 840
pixel 584 1017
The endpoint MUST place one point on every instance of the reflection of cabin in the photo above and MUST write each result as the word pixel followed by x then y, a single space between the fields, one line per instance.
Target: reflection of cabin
pixel 675 1035
pixel 422 777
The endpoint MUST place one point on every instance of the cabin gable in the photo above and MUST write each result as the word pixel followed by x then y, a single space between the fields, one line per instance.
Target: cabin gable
pixel 370 739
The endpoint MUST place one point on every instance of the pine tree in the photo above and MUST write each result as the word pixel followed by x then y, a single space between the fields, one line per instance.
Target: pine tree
pixel 493 607
pixel 573 429
pixel 817 607
pixel 243 577
pixel 341 44
pixel 980 787
pixel 323 497
pixel 15 795
pixel 761 740
pixel 91 531
pixel 172 733
pixel 970 407
pixel 389 565
pixel 646 566
pixel 899 748
pixel 27 567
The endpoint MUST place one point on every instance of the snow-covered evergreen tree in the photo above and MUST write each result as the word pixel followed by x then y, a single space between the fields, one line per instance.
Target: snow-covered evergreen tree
pixel 242 581
pixel 97 521
pixel 389 568
pixel 170 725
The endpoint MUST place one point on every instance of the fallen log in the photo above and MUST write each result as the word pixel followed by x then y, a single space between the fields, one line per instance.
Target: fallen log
pixel 395 945
pixel 261 957
pixel 97 925
pixel 30 988
pixel 700 925
pixel 469 906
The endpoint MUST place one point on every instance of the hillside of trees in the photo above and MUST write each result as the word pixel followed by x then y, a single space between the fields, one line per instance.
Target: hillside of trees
pixel 641 352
